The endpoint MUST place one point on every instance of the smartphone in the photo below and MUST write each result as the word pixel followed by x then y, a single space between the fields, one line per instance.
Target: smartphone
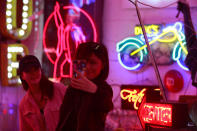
pixel 79 65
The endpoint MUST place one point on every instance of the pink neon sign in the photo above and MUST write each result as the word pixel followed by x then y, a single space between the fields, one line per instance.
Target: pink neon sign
pixel 62 50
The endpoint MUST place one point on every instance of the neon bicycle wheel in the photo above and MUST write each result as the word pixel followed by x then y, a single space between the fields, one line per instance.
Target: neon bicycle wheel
pixel 125 48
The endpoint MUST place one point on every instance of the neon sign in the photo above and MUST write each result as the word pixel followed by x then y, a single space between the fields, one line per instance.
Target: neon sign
pixel 10 24
pixel 133 96
pixel 125 47
pixel 173 115
pixel 62 49
pixel 150 29
pixel 156 114
pixel 10 57
pixel 132 52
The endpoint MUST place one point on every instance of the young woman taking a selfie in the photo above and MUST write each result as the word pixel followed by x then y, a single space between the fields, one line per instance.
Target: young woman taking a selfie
pixel 88 99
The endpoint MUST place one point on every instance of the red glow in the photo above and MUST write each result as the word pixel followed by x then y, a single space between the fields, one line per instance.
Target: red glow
pixel 5 111
pixel 63 33
pixel 158 114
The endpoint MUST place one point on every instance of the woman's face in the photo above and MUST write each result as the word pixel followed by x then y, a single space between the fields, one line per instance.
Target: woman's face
pixel 33 76
pixel 93 67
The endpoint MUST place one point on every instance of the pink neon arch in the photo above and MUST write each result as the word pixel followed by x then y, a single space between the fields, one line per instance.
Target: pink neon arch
pixel 61 42
pixel 68 7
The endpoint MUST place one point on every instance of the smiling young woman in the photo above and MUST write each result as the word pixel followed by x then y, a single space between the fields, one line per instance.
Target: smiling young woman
pixel 39 108
pixel 89 97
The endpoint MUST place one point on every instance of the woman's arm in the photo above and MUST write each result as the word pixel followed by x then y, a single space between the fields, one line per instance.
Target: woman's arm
pixel 83 84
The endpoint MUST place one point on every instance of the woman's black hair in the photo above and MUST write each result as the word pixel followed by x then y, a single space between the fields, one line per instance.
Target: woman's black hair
pixel 85 50
pixel 25 65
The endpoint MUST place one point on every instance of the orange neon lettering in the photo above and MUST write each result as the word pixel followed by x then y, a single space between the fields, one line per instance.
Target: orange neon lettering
pixel 133 96
pixel 150 29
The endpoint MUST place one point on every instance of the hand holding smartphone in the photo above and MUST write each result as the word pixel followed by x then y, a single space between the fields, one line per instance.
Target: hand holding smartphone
pixel 78 65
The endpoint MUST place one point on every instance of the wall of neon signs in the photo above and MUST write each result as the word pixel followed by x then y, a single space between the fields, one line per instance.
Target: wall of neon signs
pixel 66 26
pixel 167 43
pixel 122 25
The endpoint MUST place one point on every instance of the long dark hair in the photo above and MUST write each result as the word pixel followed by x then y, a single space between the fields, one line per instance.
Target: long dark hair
pixel 85 50
pixel 25 65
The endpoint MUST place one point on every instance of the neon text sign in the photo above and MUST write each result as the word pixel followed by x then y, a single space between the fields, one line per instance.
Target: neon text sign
pixel 14 26
pixel 133 96
pixel 10 57
pixel 150 29
pixel 156 114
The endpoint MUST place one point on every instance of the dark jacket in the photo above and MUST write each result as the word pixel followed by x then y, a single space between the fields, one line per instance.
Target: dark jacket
pixel 191 59
pixel 82 111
